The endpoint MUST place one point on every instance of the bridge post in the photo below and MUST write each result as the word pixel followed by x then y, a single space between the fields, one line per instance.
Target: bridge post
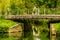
pixel 53 10
pixel 18 11
pixel 5 12
pixel 0 13
pixel 9 11
pixel 28 11
pixel 44 11
pixel 36 10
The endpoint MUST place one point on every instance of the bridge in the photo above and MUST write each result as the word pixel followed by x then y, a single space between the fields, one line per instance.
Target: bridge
pixel 55 14
pixel 10 16
pixel 32 17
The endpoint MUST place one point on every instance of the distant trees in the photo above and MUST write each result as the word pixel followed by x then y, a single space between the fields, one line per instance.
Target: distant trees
pixel 24 5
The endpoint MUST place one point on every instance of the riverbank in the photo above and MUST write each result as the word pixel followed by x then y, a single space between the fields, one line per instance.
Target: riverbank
pixel 7 25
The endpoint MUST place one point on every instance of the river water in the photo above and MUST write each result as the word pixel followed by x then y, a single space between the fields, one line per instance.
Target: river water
pixel 26 36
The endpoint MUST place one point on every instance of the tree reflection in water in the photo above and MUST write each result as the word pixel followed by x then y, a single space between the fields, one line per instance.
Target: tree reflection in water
pixel 26 36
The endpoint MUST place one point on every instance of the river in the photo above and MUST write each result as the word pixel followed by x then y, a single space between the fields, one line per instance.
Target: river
pixel 25 36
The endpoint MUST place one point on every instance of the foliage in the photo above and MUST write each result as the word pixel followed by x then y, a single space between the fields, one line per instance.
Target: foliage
pixel 4 29
pixel 24 5
pixel 10 38
pixel 57 26
pixel 6 23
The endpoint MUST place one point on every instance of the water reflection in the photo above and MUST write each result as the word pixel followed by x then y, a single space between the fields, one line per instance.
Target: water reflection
pixel 16 35
pixel 11 36
pixel 36 38
pixel 53 38
pixel 25 36
pixel 30 36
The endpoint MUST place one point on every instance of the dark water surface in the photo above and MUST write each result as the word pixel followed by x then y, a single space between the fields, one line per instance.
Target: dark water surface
pixel 26 36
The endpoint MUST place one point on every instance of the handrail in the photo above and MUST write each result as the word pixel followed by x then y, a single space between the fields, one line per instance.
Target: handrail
pixel 44 11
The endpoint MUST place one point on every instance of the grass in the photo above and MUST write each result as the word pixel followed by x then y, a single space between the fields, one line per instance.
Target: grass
pixel 8 38
pixel 6 23
pixel 57 26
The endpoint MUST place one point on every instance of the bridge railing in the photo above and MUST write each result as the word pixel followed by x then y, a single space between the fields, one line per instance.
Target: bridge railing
pixel 51 11
pixel 40 11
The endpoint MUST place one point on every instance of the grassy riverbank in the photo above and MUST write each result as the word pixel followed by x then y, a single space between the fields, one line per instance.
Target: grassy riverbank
pixel 6 24
pixel 42 24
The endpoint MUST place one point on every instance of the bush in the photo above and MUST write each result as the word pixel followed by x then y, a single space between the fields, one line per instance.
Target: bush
pixel 4 29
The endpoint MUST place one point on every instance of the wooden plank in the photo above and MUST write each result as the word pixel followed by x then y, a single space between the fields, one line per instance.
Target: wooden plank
pixel 32 16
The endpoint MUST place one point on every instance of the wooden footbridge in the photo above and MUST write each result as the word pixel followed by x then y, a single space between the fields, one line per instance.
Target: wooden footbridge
pixel 17 17
pixel 32 17
pixel 37 15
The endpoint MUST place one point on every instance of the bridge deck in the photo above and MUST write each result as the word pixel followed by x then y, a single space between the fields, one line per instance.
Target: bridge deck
pixel 32 16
